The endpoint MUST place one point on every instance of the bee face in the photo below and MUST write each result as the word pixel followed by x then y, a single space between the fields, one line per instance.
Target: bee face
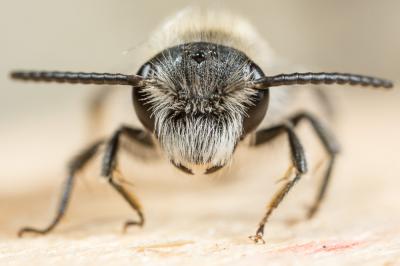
pixel 199 104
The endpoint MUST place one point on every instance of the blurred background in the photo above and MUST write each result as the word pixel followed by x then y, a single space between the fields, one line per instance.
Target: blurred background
pixel 99 35
pixel 41 125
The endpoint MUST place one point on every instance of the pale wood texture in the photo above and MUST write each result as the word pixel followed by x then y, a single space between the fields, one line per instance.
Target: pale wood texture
pixel 206 222
pixel 191 221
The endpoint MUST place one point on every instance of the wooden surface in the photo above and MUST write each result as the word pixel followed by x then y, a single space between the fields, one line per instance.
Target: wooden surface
pixel 198 221
pixel 194 221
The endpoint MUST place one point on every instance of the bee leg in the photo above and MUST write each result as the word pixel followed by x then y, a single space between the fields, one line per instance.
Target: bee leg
pixel 109 168
pixel 76 164
pixel 331 147
pixel 299 162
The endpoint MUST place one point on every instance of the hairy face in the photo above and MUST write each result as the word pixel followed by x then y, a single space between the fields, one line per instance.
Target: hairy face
pixel 197 101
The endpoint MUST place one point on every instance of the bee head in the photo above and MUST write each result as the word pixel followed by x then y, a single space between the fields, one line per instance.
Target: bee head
pixel 199 103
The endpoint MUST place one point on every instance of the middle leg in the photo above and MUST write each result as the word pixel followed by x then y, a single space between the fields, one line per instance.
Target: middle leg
pixel 331 147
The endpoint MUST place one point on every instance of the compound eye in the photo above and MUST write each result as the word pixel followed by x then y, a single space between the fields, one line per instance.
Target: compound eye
pixel 255 71
pixel 142 108
pixel 257 111
pixel 145 71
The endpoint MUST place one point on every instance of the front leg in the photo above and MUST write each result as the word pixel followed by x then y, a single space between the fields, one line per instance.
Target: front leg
pixel 85 157
pixel 110 164
pixel 299 162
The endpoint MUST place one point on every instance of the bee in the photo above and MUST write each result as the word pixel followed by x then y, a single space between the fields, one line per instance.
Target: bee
pixel 204 91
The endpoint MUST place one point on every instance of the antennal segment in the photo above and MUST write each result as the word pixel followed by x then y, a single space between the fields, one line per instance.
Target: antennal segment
pixel 78 77
pixel 321 78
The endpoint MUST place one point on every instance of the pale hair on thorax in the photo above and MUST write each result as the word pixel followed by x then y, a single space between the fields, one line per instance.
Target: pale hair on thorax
pixel 213 26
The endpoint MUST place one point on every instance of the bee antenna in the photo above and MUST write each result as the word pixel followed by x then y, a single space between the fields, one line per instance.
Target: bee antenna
pixel 78 77
pixel 320 78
